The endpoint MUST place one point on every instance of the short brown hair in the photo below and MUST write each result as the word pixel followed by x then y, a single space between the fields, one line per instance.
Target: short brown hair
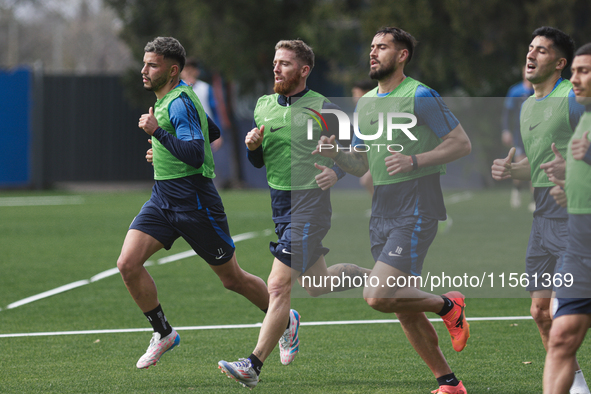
pixel 303 52
pixel 169 48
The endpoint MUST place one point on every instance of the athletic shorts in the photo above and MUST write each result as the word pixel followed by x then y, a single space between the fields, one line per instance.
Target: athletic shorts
pixel 402 242
pixel 206 230
pixel 299 245
pixel 545 250
pixel 571 306
pixel 573 279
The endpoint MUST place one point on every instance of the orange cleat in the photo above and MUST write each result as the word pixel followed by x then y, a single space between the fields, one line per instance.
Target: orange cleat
pixel 455 321
pixel 459 389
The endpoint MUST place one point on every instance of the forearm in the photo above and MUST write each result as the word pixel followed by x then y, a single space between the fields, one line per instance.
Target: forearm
pixel 352 162
pixel 189 152
pixel 521 170
pixel 454 146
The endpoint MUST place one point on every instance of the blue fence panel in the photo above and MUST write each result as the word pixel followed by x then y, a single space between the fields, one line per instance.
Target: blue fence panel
pixel 15 106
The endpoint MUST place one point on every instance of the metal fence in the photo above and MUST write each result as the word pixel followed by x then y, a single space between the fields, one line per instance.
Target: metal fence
pixel 89 131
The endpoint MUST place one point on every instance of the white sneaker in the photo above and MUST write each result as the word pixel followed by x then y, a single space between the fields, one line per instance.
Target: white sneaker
pixel 289 343
pixel 241 371
pixel 515 198
pixel 158 346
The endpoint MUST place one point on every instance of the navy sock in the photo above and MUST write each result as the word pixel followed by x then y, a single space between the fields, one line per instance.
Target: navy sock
pixel 256 363
pixel 448 305
pixel 448 380
pixel 158 321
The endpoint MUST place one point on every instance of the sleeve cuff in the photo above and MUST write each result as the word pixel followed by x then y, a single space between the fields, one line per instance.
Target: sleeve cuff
pixel 158 133
pixel 339 171
pixel 587 157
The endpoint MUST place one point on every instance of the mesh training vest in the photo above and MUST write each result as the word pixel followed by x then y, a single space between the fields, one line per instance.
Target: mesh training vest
pixel 166 166
pixel 542 123
pixel 372 111
pixel 578 174
pixel 287 150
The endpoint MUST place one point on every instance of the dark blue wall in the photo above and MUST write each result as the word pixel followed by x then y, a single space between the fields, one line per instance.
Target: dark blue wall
pixel 15 132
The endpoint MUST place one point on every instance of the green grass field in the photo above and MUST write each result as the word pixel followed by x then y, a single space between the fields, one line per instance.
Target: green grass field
pixel 48 246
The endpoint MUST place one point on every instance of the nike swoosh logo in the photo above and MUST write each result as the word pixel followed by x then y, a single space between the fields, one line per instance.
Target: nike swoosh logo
pixel 273 129
pixel 533 127
pixel 285 251
pixel 367 113
pixel 447 381
pixel 372 122
pixel 266 120
pixel 393 254
pixel 219 257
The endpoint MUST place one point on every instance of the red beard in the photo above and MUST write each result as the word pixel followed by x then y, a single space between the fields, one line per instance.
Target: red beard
pixel 287 86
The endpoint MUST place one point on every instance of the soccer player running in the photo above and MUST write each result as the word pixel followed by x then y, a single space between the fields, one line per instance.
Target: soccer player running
pixel 408 201
pixel 572 305
pixel 511 136
pixel 550 115
pixel 300 201
pixel 184 201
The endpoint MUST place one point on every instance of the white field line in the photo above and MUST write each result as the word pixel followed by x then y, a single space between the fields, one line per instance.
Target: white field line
pixel 115 271
pixel 239 326
pixel 48 293
pixel 40 200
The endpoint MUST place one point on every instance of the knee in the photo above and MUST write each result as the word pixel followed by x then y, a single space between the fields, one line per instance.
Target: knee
pixel 562 340
pixel 386 305
pixel 278 288
pixel 232 283
pixel 541 312
pixel 126 266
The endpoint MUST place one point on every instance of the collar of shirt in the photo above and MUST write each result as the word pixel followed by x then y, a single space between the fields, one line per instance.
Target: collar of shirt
pixel 286 101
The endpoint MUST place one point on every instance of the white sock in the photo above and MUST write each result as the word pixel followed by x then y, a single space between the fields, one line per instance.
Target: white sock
pixel 579 384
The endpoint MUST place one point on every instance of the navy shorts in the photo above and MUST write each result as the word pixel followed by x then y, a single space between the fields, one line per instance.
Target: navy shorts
pixel 402 242
pixel 571 306
pixel 573 279
pixel 299 245
pixel 206 230
pixel 545 250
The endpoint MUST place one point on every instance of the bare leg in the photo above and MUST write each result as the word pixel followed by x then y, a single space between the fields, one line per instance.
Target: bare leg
pixel 137 248
pixel 325 275
pixel 423 338
pixel 236 279
pixel 566 336
pixel 393 299
pixel 540 311
pixel 409 304
pixel 280 282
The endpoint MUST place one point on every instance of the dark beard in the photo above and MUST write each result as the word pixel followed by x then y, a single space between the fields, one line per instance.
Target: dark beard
pixel 382 73
pixel 287 86
pixel 156 84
